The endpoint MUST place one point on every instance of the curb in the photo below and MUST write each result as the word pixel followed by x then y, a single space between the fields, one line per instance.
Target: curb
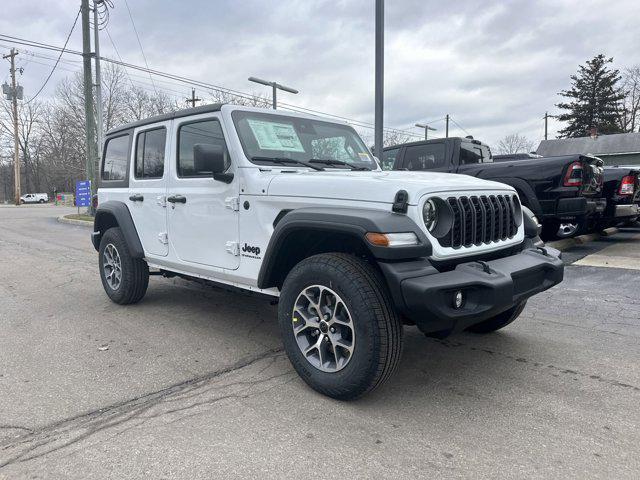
pixel 72 221
pixel 567 243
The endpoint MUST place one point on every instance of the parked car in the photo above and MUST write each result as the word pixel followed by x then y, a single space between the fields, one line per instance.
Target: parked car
pixel 621 189
pixel 34 198
pixel 294 208
pixel 559 190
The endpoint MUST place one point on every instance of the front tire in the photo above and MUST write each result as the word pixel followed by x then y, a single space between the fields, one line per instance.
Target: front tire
pixel 125 279
pixel 499 321
pixel 339 328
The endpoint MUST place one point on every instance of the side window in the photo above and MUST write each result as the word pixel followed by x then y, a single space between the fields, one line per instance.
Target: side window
pixel 191 134
pixel 389 158
pixel 425 157
pixel 149 161
pixel 470 154
pixel 114 166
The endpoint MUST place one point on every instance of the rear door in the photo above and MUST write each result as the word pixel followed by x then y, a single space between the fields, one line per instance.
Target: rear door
pixel 148 186
pixel 202 212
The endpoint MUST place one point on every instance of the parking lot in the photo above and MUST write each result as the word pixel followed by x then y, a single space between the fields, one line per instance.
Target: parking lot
pixel 192 382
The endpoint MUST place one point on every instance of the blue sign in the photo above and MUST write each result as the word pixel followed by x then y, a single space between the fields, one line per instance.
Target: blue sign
pixel 83 193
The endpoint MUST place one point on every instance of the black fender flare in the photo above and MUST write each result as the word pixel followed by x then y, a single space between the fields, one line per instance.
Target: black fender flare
pixel 526 193
pixel 105 215
pixel 350 221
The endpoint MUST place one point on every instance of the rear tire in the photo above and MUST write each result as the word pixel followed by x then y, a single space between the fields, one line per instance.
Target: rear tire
pixel 41 201
pixel 499 321
pixel 356 297
pixel 125 279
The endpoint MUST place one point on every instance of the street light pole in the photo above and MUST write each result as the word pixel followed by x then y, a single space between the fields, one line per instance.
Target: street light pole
pixel 379 80
pixel 275 87
pixel 426 129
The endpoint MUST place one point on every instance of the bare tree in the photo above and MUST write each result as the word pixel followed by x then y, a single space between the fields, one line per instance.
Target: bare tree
pixel 514 143
pixel 630 106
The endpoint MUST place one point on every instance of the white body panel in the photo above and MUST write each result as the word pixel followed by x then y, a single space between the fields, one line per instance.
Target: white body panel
pixel 150 215
pixel 200 230
pixel 35 197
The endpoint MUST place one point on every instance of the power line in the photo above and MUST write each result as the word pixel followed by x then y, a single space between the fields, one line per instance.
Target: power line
pixel 57 60
pixel 115 49
pixel 459 126
pixel 135 30
pixel 205 85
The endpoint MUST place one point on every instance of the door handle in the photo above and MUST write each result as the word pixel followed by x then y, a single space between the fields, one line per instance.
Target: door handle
pixel 136 197
pixel 177 199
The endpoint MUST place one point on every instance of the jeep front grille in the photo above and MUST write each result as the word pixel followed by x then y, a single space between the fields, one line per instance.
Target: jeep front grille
pixel 481 220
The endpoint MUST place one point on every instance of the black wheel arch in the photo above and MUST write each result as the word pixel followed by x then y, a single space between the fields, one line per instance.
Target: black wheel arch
pixel 116 214
pixel 303 232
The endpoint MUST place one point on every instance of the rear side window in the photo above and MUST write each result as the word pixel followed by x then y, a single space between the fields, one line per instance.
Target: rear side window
pixel 114 166
pixel 471 153
pixel 425 157
pixel 389 158
pixel 149 161
pixel 191 134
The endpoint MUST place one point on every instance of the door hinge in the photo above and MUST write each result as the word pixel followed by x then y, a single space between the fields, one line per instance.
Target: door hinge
pixel 233 203
pixel 233 248
pixel 161 200
pixel 163 238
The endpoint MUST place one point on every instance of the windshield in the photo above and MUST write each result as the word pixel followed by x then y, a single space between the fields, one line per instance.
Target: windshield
pixel 264 136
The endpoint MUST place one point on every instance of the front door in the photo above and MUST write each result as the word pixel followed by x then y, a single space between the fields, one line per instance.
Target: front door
pixel 202 213
pixel 148 185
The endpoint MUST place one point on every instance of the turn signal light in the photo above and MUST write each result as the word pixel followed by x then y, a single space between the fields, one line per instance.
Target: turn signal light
pixel 628 185
pixel 392 239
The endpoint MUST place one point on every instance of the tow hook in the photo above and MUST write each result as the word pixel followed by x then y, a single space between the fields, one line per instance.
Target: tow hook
pixel 485 266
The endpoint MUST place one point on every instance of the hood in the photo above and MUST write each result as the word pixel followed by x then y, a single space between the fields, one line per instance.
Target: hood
pixel 374 186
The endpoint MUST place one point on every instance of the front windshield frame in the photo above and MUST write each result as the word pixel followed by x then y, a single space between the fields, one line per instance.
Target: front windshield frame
pixel 301 147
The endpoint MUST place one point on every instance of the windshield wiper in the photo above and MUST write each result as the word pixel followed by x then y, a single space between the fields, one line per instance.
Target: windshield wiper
pixel 284 160
pixel 329 161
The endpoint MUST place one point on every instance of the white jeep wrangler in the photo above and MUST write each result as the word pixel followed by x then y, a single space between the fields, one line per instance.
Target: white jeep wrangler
pixel 295 208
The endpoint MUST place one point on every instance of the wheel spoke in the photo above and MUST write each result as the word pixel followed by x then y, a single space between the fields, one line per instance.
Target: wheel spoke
pixel 320 311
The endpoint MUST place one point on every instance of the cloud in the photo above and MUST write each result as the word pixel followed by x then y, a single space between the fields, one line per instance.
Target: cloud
pixel 495 67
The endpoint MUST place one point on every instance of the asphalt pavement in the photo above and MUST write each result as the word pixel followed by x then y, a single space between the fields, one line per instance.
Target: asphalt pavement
pixel 192 382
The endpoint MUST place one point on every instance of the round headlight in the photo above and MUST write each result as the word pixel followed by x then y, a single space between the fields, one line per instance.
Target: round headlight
pixel 430 214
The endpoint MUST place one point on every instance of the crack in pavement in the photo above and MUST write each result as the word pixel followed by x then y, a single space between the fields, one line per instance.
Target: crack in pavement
pixel 51 438
pixel 598 378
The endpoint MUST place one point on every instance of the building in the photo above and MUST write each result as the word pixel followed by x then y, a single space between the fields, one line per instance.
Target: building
pixel 615 149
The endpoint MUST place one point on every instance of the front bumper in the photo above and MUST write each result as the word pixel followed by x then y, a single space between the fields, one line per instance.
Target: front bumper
pixel 488 288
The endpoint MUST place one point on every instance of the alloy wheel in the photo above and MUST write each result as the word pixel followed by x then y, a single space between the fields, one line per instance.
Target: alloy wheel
pixel 323 328
pixel 112 266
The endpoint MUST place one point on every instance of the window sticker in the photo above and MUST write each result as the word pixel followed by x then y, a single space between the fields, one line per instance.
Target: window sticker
pixel 275 136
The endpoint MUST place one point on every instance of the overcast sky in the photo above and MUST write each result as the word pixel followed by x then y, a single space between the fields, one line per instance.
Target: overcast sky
pixel 495 67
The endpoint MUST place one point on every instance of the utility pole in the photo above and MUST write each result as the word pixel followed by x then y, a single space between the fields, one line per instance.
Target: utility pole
pixel 379 80
pixel 98 84
pixel 275 87
pixel 14 107
pixel 446 134
pixel 546 124
pixel 426 129
pixel 193 98
pixel 88 95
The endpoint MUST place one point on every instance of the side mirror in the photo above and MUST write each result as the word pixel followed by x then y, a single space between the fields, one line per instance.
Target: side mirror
pixel 210 158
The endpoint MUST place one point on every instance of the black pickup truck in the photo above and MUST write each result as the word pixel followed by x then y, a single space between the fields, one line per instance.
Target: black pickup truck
pixel 621 189
pixel 559 190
